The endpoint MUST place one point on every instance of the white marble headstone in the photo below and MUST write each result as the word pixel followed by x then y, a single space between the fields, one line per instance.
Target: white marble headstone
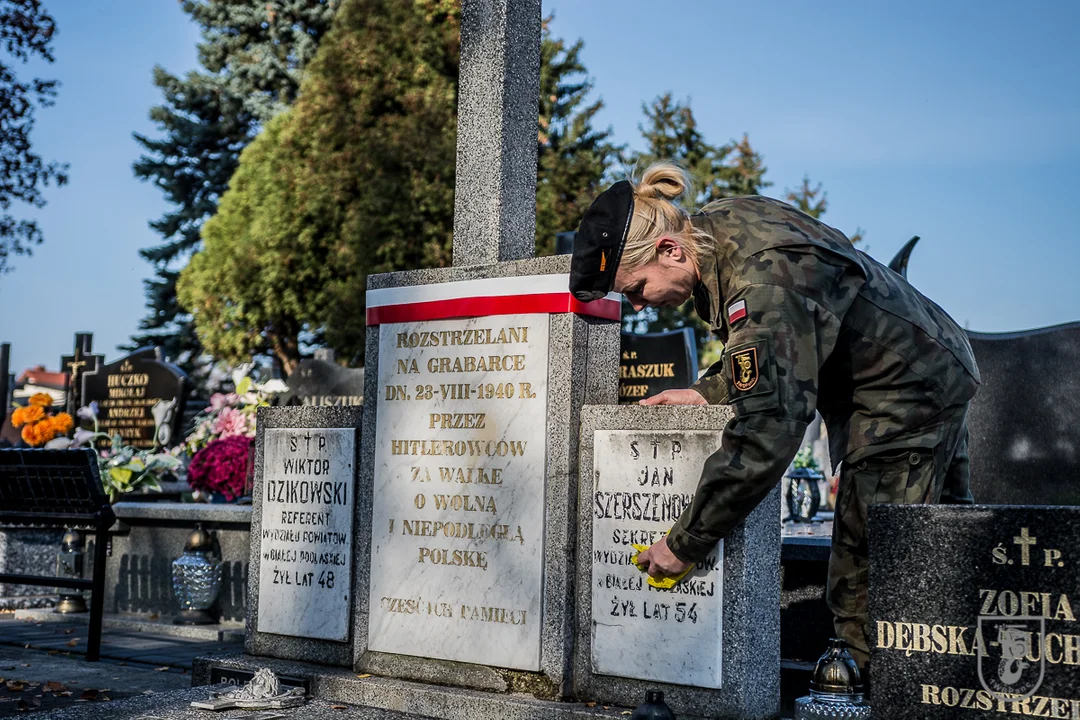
pixel 458 508
pixel 642 482
pixel 306 540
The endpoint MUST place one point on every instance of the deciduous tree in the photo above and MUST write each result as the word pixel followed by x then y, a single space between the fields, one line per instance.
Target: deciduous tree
pixel 252 55
pixel 26 32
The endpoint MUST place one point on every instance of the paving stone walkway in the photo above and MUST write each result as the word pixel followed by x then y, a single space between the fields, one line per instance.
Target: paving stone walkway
pixel 43 666
pixel 116 644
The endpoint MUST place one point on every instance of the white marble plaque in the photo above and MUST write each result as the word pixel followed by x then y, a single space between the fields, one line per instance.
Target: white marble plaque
pixel 306 540
pixel 642 482
pixel 458 517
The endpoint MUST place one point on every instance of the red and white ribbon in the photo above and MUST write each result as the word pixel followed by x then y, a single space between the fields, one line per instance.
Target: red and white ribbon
pixel 476 298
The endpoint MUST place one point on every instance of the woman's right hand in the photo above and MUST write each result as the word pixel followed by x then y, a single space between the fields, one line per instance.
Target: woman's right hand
pixel 676 397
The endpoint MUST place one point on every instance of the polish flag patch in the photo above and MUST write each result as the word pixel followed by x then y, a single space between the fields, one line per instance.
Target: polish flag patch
pixel 736 311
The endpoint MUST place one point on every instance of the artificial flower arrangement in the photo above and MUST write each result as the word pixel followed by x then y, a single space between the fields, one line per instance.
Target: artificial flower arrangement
pixel 38 426
pixel 805 459
pixel 220 443
pixel 123 469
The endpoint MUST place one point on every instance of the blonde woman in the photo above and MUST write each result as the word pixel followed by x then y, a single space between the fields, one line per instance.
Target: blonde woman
pixel 808 323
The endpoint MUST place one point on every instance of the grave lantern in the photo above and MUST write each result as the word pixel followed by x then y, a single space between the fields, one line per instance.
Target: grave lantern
pixel 69 565
pixel 196 579
pixel 803 494
pixel 836 690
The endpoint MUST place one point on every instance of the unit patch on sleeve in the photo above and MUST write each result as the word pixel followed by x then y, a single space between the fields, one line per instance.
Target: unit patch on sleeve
pixel 744 369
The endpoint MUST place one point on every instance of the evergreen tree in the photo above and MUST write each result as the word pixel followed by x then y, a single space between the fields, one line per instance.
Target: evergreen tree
pixel 26 32
pixel 252 55
pixel 814 201
pixel 572 157
pixel 356 178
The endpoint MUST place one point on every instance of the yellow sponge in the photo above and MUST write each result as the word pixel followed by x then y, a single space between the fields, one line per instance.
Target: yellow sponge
pixel 664 583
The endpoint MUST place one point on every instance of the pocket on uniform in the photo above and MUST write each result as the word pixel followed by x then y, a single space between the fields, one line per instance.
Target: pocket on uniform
pixel 897 477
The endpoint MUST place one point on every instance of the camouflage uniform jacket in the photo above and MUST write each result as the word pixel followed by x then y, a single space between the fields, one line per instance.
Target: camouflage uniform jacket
pixel 808 322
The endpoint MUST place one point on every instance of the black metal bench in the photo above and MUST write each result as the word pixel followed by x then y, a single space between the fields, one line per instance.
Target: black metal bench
pixel 59 489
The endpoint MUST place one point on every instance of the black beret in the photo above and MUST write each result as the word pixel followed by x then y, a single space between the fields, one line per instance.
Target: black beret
pixel 599 243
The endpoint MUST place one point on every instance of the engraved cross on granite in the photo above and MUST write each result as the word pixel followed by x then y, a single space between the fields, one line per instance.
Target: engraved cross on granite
pixel 76 365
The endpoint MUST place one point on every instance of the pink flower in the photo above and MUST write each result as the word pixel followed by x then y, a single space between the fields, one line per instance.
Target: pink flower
pixel 230 423
pixel 219 401
pixel 221 467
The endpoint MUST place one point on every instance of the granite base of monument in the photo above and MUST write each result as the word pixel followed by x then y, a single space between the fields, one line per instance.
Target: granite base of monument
pixel 712 642
pixel 420 700
pixel 973 611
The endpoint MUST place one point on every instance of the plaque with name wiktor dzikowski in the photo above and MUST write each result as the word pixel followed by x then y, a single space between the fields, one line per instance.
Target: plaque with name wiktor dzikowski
pixel 973 611
pixel 306 539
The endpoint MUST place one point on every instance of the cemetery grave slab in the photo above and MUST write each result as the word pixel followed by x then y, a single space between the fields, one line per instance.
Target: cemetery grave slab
pixel 712 643
pixel 973 611
pixel 140 397
pixel 303 534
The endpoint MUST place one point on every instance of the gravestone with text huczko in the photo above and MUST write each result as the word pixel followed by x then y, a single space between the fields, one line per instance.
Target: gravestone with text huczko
pixel 321 382
pixel 973 611
pixel 139 397
pixel 650 363
pixel 711 642
pixel 300 589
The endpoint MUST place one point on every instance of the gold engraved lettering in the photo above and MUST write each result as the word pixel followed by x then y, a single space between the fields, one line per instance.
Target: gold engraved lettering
pixel 1025 542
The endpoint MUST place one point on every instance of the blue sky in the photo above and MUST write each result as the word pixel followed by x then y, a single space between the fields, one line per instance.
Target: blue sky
pixel 957 122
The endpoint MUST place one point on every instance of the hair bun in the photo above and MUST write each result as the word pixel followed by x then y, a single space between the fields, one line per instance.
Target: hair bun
pixel 663 180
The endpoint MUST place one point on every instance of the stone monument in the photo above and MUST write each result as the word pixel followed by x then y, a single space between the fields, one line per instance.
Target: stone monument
pixel 475 377
pixel 974 613
pixel 711 643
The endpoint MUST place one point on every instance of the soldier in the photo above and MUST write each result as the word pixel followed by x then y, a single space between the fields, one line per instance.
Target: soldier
pixel 808 323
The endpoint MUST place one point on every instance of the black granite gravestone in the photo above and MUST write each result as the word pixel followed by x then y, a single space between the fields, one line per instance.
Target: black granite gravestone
pixel 139 397
pixel 564 242
pixel 653 362
pixel 973 611
pixel 80 362
pixel 321 382
pixel 1025 441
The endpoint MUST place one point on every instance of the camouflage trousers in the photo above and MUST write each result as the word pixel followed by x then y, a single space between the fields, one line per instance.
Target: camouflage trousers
pixel 926 465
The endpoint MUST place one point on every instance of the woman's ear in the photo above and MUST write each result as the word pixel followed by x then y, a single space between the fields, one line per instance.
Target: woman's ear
pixel 671 247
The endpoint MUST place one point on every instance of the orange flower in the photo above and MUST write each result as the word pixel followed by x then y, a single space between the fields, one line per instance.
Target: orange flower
pixel 27 415
pixel 62 423
pixel 41 400
pixel 38 434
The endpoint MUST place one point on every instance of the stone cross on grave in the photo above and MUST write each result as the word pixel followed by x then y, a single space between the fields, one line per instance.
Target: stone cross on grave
pixel 498 108
pixel 76 365
pixel 475 376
